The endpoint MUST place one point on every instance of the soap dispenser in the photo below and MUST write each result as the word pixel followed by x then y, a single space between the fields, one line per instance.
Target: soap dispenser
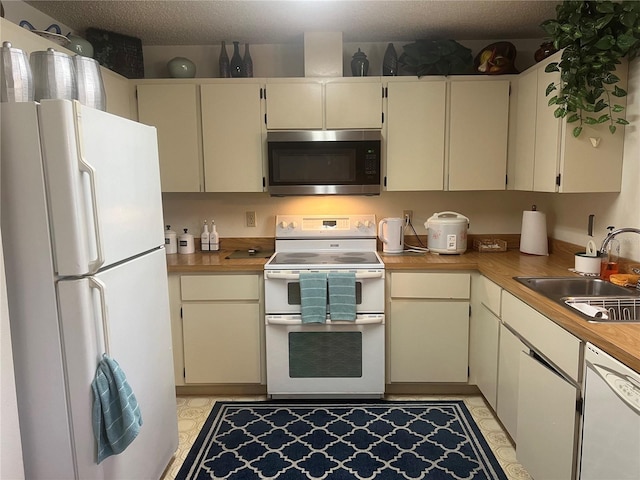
pixel 204 238
pixel 214 239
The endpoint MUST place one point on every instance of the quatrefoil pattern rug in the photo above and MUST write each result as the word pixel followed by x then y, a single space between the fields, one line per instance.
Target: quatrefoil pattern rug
pixel 302 440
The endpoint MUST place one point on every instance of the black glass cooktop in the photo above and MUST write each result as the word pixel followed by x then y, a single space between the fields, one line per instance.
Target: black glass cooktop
pixel 325 258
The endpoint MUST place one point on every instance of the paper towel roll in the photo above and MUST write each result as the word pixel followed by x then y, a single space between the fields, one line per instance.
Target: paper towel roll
pixel 533 238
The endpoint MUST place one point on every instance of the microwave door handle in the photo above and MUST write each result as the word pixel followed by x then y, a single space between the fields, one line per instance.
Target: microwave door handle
pixel 297 320
pixel 296 276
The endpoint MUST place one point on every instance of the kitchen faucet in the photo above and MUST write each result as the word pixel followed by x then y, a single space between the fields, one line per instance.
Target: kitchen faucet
pixel 613 233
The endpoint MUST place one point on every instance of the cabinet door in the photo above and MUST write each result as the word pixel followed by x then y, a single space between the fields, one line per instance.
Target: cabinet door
pixel 295 105
pixel 508 379
pixel 428 341
pixel 355 105
pixel 221 342
pixel 233 142
pixel 548 131
pixel 479 121
pixel 415 119
pixel 173 110
pixel 522 131
pixel 483 346
pixel 547 421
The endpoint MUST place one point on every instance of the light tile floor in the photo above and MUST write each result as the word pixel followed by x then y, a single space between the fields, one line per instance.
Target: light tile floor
pixel 193 410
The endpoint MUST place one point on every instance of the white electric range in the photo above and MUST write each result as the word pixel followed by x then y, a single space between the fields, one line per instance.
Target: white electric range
pixel 334 358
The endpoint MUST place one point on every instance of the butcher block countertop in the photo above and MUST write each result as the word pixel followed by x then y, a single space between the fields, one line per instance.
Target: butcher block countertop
pixel 622 340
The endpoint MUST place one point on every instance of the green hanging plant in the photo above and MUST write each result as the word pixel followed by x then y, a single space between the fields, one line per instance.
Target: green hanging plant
pixel 595 36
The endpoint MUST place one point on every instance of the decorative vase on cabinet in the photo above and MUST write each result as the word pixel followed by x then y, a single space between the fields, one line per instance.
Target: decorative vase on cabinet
pixel 223 62
pixel 235 66
pixel 390 61
pixel 247 62
pixel 359 64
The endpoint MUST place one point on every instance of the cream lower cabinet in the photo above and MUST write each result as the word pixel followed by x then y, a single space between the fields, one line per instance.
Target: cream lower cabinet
pixel 484 334
pixel 428 327
pixel 173 109
pixel 220 334
pixel 544 156
pixel 549 376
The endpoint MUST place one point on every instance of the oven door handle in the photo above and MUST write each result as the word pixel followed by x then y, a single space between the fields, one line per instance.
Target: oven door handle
pixel 296 320
pixel 296 276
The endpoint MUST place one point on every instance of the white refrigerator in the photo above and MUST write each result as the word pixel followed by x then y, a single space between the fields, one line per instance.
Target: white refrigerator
pixel 86 274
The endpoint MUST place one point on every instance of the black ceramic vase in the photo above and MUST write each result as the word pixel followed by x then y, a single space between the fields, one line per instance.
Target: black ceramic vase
pixel 390 61
pixel 223 62
pixel 235 66
pixel 247 62
pixel 359 64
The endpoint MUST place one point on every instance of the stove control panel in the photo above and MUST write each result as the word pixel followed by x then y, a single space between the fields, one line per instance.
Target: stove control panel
pixel 308 226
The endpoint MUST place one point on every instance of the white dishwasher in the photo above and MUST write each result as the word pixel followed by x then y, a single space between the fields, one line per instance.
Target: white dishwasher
pixel 611 419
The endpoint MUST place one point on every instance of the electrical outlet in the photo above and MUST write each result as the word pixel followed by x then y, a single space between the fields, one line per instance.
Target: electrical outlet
pixel 408 216
pixel 250 218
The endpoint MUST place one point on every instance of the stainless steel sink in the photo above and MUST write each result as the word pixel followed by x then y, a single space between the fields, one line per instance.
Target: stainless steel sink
pixel 594 299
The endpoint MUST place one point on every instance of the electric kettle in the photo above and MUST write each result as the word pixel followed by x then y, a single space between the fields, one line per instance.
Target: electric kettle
pixel 391 234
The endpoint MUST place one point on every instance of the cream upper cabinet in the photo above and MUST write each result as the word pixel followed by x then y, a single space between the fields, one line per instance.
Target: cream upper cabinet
pixel 415 133
pixel 478 134
pixel 314 104
pixel 233 136
pixel 544 156
pixel 294 104
pixel 173 110
pixel 353 103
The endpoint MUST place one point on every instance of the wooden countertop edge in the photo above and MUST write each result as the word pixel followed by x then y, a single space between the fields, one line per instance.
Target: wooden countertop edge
pixel 620 341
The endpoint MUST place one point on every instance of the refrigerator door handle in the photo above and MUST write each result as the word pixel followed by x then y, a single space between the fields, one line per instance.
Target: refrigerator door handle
pixel 100 287
pixel 85 167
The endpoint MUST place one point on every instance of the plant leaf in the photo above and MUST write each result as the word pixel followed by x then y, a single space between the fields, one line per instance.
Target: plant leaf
pixel 573 118
pixel 550 88
pixel 605 42
pixel 552 67
pixel 590 121
pixel 577 131
pixel 603 118
pixel 612 129
pixel 618 108
pixel 552 101
pixel 621 121
pixel 559 112
pixel 618 92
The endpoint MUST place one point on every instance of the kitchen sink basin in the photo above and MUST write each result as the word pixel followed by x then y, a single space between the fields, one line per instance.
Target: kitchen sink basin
pixel 559 287
pixel 594 299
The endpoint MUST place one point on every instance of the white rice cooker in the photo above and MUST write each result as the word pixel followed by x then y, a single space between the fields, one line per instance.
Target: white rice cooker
pixel 447 232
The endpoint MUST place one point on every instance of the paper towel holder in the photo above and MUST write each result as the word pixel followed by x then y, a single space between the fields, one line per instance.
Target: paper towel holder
pixel 533 237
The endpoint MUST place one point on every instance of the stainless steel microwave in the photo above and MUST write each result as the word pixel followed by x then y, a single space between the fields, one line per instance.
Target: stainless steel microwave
pixel 324 162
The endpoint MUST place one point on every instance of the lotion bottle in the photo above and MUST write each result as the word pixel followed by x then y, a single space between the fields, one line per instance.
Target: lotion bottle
pixel 204 238
pixel 214 239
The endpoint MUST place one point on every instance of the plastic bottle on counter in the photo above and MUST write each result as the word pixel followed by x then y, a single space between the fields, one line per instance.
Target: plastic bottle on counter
pixel 185 243
pixel 170 241
pixel 214 238
pixel 204 238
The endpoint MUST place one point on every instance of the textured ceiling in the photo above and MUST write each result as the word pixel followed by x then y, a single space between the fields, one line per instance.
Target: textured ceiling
pixel 195 22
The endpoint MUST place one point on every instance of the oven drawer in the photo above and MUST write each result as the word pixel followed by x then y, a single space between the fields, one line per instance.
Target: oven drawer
pixel 220 287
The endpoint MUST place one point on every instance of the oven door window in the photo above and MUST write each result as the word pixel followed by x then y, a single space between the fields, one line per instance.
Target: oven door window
pixel 325 354
pixel 293 293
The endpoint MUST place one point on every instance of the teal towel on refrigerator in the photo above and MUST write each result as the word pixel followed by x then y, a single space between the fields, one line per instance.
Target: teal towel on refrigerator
pixel 313 297
pixel 116 414
pixel 342 295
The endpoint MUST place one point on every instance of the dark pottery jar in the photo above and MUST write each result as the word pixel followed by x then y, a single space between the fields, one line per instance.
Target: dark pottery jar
pixel 235 66
pixel 390 61
pixel 359 64
pixel 223 62
pixel 546 49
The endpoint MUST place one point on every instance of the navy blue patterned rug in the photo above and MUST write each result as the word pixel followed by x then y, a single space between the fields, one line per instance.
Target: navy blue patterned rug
pixel 327 439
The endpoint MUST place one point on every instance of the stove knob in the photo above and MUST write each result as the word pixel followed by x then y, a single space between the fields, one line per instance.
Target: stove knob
pixel 293 225
pixel 360 225
pixel 368 224
pixel 283 225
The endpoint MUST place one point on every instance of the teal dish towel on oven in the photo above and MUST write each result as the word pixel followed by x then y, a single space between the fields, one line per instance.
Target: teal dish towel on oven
pixel 313 297
pixel 342 295
pixel 116 414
